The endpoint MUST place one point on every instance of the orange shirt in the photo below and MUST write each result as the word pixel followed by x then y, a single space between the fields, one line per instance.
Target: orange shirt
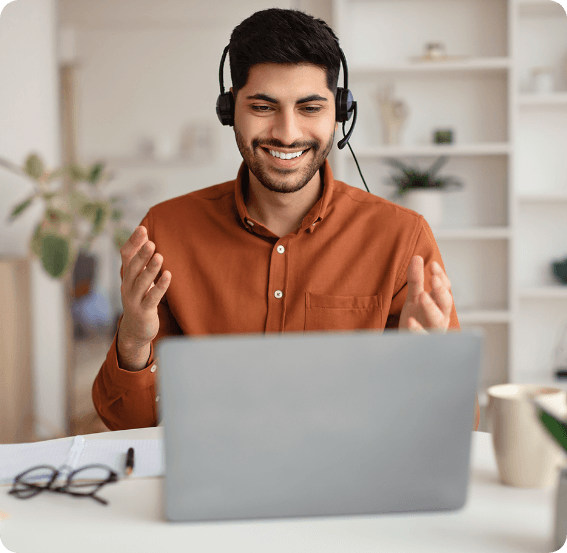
pixel 345 268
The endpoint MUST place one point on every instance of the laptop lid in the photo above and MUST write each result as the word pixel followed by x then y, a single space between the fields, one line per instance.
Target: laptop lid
pixel 317 424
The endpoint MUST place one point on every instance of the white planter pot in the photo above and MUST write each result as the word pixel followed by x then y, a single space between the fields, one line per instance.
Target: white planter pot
pixel 428 203
pixel 560 533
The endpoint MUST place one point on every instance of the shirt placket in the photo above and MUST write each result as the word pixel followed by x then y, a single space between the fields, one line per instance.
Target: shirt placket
pixel 277 296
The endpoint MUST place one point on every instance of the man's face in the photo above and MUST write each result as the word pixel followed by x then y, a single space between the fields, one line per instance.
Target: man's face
pixel 278 122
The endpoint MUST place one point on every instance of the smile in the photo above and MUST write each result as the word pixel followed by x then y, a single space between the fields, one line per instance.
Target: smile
pixel 285 162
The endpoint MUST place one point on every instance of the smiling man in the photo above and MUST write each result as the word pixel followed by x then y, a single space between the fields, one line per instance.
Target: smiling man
pixel 282 248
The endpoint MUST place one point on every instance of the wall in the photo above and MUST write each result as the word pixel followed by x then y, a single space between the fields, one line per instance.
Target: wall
pixel 29 121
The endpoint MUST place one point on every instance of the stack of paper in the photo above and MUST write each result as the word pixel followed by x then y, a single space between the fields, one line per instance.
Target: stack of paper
pixel 76 452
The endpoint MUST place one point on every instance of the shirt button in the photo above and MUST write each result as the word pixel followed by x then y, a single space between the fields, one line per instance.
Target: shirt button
pixel 153 369
pixel 278 294
pixel 157 398
pixel 280 249
pixel 250 222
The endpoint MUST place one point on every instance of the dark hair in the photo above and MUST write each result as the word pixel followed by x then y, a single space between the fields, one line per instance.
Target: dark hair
pixel 276 35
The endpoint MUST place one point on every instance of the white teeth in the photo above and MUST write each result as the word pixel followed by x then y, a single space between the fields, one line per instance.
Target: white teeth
pixel 285 156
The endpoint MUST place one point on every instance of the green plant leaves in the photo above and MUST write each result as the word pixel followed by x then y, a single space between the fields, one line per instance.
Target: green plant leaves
pixel 554 427
pixel 96 173
pixel 55 254
pixel 34 166
pixel 414 178
pixel 35 244
pixel 97 213
pixel 437 165
pixel 20 208
pixel 78 173
pixel 53 237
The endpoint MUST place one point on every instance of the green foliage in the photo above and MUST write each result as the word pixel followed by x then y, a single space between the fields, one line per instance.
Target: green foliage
pixel 554 427
pixel 96 173
pixel 20 208
pixel 54 237
pixel 55 254
pixel 34 166
pixel 35 244
pixel 415 178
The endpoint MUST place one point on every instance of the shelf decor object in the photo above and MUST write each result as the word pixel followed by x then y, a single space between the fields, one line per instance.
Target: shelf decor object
pixel 543 80
pixel 443 136
pixel 394 114
pixel 560 270
pixel 420 190
pixel 436 51
pixel 71 220
pixel 560 354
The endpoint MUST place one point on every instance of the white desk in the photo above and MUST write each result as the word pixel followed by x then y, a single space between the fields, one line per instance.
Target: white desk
pixel 495 519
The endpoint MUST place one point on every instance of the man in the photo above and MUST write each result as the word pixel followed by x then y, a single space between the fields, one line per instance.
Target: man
pixel 284 247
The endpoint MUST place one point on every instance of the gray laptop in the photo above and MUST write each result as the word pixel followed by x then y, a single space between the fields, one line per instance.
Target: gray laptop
pixel 317 424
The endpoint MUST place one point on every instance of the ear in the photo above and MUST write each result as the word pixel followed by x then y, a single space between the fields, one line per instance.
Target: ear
pixel 336 126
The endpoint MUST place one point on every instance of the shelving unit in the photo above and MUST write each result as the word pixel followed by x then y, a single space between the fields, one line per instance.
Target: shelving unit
pixel 504 228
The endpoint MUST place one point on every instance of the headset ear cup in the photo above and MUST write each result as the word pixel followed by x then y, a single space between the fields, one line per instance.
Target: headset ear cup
pixel 225 108
pixel 344 105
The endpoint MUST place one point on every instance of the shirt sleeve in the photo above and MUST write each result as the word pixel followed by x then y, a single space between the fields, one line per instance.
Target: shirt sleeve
pixel 125 399
pixel 425 246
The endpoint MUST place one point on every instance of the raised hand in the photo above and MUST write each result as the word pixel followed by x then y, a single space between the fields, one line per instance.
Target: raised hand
pixel 422 310
pixel 140 297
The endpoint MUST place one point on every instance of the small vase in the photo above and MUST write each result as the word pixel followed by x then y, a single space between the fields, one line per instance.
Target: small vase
pixel 428 203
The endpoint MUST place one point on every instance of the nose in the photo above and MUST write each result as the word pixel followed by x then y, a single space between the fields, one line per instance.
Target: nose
pixel 286 127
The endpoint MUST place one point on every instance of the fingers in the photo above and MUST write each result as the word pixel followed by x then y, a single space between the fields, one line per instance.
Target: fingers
pixel 415 278
pixel 441 295
pixel 141 268
pixel 415 327
pixel 431 310
pixel 131 248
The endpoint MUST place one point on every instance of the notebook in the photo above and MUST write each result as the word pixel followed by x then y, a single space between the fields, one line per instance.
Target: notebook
pixel 78 451
pixel 317 424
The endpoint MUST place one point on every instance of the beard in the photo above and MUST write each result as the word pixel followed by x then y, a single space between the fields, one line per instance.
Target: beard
pixel 281 179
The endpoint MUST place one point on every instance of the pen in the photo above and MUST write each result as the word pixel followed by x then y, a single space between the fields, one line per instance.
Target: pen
pixel 129 461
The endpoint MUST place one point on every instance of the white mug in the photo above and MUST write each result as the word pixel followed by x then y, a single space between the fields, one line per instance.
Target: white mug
pixel 526 454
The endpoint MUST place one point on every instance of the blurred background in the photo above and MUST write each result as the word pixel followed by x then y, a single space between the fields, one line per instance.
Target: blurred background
pixel 133 84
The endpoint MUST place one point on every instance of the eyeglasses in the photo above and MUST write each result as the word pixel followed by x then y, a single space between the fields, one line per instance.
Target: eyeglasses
pixel 84 481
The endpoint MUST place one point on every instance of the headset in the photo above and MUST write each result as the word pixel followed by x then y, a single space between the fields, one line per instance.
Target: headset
pixel 345 106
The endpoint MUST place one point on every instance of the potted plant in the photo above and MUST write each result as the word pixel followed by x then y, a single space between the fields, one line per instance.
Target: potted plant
pixel 419 190
pixel 71 220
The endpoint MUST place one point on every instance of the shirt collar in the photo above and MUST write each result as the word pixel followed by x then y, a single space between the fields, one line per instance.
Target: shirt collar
pixel 310 221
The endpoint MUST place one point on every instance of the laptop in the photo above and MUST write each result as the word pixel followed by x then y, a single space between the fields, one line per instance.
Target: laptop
pixel 317 424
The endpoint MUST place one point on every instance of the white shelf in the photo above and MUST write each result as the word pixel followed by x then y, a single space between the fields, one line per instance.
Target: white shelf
pixel 527 100
pixel 483 149
pixel 457 66
pixel 483 316
pixel 557 291
pixel 150 163
pixel 539 8
pixel 479 233
pixel 543 198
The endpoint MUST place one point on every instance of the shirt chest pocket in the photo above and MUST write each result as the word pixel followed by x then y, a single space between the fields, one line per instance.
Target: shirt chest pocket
pixel 323 312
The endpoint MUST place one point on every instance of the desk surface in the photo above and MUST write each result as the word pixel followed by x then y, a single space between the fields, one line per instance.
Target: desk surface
pixel 495 519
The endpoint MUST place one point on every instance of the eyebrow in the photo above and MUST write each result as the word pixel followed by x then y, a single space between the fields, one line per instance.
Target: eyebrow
pixel 311 98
